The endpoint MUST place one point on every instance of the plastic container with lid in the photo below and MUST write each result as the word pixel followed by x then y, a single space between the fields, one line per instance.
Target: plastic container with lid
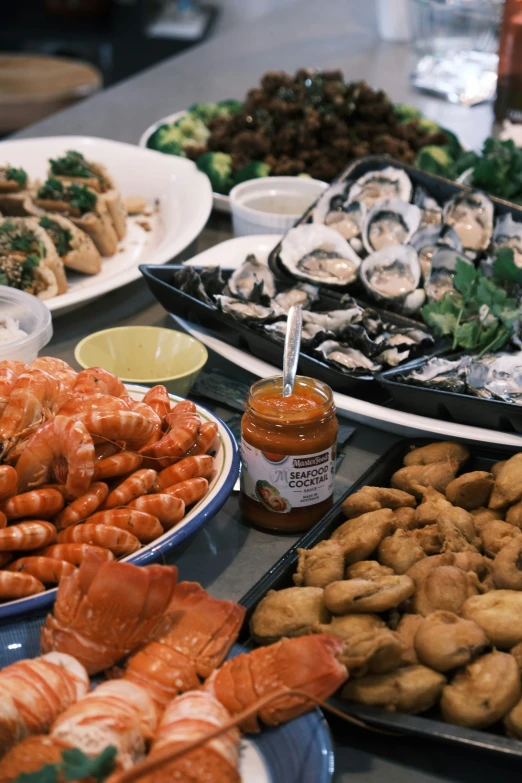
pixel 33 317
pixel 288 449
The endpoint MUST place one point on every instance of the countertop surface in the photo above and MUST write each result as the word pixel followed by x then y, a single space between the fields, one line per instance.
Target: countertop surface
pixel 228 556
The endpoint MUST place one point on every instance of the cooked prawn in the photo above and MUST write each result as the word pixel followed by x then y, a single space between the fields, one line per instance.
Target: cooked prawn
pixel 104 450
pixel 81 403
pixel 151 415
pixel 27 536
pixel 75 553
pixel 57 368
pixel 46 569
pixel 8 481
pixel 178 440
pixel 97 380
pixel 189 491
pixel 3 522
pixel 120 542
pixel 82 507
pixel 117 465
pixel 205 439
pixel 9 372
pixel 5 558
pixel 15 585
pixel 61 440
pixel 41 503
pixel 159 400
pixel 32 392
pixel 167 509
pixel 190 467
pixel 137 484
pixel 122 425
pixel 185 406
pixel 145 527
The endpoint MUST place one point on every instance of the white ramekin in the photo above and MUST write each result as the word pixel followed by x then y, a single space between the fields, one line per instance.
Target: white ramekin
pixel 33 317
pixel 249 220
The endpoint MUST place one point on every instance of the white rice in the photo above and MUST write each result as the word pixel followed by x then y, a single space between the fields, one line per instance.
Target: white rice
pixel 10 330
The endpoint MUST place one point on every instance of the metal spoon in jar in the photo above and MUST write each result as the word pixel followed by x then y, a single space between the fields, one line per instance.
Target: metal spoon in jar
pixel 294 326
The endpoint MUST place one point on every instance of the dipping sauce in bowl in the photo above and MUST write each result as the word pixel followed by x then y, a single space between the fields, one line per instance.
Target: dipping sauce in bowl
pixel 269 205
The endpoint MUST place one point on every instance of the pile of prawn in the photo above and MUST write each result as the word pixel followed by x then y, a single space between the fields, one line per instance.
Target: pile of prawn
pixel 84 466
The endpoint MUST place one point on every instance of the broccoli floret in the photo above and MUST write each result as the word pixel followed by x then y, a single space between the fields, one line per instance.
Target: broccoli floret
pixel 405 113
pixel 435 160
pixel 468 160
pixel 193 130
pixel 229 107
pixel 205 111
pixel 218 168
pixel 252 170
pixel 453 145
pixel 428 126
pixel 167 139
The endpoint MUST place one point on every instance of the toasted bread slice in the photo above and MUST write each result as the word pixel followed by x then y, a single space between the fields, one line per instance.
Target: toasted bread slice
pixel 75 247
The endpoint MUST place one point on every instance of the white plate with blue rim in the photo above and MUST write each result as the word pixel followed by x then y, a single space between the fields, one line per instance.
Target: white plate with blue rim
pixel 226 472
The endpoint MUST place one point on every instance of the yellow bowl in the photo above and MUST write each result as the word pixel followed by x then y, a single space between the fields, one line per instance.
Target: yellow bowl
pixel 145 355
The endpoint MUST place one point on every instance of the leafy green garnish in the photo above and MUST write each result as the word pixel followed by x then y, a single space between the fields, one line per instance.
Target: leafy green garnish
pixel 75 765
pixel 51 189
pixel 81 197
pixel 16 175
pixel 72 164
pixel 479 313
pixel 60 237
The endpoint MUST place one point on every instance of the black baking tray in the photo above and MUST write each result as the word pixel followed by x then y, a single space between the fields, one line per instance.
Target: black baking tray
pixel 258 343
pixel 429 725
pixel 450 406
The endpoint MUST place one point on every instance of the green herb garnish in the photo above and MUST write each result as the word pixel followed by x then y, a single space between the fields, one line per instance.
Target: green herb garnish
pixel 60 237
pixel 479 314
pixel 16 175
pixel 72 164
pixel 52 189
pixel 75 765
pixel 81 197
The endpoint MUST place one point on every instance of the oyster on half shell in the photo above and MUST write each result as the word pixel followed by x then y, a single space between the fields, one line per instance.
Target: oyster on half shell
pixel 390 222
pixel 386 183
pixel 497 377
pixel 471 215
pixel 438 373
pixel 508 233
pixel 392 274
pixel 249 276
pixel 442 272
pixel 320 255
pixel 426 240
pixel 303 294
pixel 335 211
pixel 246 311
pixel 347 358
pixel 431 211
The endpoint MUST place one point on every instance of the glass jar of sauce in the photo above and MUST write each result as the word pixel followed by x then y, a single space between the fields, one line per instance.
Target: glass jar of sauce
pixel 288 449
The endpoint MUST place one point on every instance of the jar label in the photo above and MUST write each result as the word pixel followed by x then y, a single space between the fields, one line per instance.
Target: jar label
pixel 282 482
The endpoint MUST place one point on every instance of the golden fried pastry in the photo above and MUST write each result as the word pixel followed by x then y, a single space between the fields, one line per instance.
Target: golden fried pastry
pixel 516 652
pixel 514 514
pixel 437 452
pixel 445 641
pixel 372 649
pixel 428 539
pixel 407 630
pixel 433 504
pixel 457 531
pixel 363 595
pixel 472 561
pixel 405 518
pixel 399 552
pixel 507 566
pixel 483 692
pixel 375 498
pixel 498 613
pixel 496 534
pixel 507 489
pixel 410 689
pixel 319 566
pixel 445 588
pixel 360 536
pixel 289 612
pixel 481 516
pixel 513 721
pixel 415 478
pixel 367 569
pixel 497 467
pixel 420 570
pixel 471 489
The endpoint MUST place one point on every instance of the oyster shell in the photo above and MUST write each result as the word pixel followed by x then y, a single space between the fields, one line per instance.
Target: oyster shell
pixel 391 273
pixel 471 215
pixel 390 222
pixel 318 254
pixel 431 211
pixel 248 277
pixel 387 183
pixel 347 358
pixel 438 373
pixel 497 377
pixel 425 242
pixel 246 311
pixel 334 210
pixel 334 320
pixel 442 272
pixel 508 233
pixel 189 282
pixel 212 279
pixel 303 294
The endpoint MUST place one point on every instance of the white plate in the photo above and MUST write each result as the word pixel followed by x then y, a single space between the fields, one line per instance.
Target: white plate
pixel 230 255
pixel 220 203
pixel 183 192
pixel 226 458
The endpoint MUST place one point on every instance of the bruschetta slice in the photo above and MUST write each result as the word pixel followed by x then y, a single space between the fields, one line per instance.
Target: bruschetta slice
pixel 23 241
pixel 74 246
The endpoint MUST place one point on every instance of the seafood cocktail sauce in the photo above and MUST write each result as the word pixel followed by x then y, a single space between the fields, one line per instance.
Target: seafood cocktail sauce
pixel 288 447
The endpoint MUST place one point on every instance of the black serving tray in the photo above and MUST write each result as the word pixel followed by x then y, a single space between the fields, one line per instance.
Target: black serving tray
pixel 450 406
pixel 429 725
pixel 258 343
